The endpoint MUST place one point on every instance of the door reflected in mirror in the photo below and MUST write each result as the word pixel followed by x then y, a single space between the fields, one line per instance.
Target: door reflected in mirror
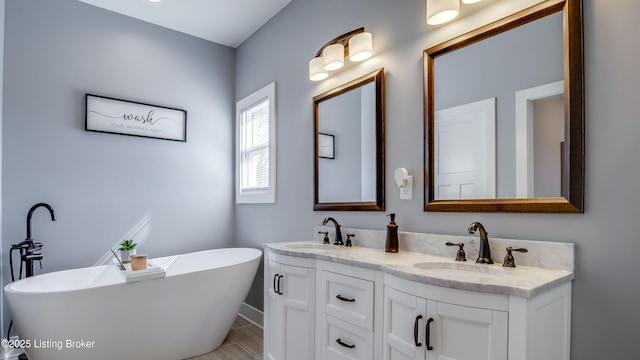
pixel 349 137
pixel 504 115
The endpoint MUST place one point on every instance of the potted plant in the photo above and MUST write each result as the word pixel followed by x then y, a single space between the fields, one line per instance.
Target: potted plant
pixel 127 248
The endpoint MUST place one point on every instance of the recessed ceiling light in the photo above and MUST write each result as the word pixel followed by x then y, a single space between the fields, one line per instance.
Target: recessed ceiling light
pixel 154 1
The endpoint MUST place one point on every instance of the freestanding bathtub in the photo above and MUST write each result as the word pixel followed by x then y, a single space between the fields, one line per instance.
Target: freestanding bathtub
pixel 92 313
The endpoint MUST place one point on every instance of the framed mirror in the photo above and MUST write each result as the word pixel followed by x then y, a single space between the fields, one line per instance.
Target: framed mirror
pixel 349 146
pixel 504 115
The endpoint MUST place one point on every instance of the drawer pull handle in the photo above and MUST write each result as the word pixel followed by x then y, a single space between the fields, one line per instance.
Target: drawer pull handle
pixel 415 331
pixel 429 347
pixel 340 297
pixel 344 344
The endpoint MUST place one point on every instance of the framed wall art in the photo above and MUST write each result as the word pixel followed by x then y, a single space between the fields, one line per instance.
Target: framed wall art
pixel 109 115
pixel 326 146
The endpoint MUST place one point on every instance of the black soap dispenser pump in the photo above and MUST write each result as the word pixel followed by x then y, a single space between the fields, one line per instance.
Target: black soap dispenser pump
pixel 392 235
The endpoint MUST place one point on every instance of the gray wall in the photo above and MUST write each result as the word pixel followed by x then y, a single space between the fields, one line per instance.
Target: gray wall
pixel 102 185
pixel 606 289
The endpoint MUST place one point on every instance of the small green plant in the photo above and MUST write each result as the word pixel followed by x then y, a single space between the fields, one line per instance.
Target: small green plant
pixel 127 245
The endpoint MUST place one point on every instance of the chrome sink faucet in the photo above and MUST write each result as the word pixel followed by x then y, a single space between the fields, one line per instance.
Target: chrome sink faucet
pixel 338 232
pixel 484 252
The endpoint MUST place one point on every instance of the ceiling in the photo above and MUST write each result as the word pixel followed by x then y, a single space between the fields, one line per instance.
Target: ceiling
pixel 226 22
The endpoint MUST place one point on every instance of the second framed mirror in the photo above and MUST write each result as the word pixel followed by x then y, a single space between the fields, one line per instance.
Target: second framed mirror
pixel 504 115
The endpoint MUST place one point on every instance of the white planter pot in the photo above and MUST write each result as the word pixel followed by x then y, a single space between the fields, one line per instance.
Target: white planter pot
pixel 125 255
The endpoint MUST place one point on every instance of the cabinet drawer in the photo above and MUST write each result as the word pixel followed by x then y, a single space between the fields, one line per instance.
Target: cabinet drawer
pixel 344 341
pixel 348 298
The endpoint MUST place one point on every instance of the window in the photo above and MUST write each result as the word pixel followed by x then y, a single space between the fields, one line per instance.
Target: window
pixel 256 147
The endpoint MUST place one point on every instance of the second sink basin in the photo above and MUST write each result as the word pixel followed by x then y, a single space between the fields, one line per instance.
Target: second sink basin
pixel 463 268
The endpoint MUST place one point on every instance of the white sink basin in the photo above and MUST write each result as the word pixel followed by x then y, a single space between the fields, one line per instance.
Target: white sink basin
pixel 463 268
pixel 309 246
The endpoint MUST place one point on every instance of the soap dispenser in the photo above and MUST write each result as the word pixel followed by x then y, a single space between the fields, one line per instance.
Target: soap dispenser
pixel 392 235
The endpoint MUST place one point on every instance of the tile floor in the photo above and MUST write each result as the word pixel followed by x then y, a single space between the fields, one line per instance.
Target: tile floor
pixel 244 342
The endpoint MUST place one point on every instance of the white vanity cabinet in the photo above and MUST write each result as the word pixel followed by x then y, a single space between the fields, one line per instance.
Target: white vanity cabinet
pixel 423 322
pixel 336 303
pixel 290 294
pixel 345 312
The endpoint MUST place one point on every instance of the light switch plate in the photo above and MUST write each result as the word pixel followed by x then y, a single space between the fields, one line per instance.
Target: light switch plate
pixel 406 192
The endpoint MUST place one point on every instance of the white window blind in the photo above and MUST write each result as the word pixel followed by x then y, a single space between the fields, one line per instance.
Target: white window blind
pixel 255 142
pixel 254 150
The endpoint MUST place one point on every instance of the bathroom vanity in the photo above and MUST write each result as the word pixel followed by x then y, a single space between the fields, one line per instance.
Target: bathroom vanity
pixel 336 302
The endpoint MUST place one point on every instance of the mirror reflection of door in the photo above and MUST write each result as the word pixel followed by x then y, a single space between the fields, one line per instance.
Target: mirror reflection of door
pixel 465 151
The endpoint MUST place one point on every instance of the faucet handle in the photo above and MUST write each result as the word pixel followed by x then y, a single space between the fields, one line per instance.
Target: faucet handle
pixel 509 261
pixel 326 237
pixel 460 256
pixel 348 242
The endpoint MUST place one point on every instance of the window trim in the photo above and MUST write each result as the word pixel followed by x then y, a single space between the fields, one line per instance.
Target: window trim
pixel 268 195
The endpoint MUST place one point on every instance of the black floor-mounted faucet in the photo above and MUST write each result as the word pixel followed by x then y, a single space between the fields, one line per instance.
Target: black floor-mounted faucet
pixel 30 254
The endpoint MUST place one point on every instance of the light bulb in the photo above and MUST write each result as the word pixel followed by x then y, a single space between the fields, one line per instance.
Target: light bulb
pixel 360 47
pixel 316 69
pixel 441 11
pixel 333 57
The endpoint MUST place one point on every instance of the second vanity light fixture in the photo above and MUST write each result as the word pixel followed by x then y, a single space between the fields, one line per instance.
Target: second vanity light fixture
pixel 356 44
pixel 442 11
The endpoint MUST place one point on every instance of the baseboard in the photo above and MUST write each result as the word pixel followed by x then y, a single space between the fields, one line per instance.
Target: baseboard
pixel 252 314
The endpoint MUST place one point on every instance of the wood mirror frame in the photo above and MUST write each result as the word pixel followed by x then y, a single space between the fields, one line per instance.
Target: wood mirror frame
pixel 377 78
pixel 572 199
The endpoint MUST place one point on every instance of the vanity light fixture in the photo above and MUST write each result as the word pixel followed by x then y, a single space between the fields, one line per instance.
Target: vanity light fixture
pixel 356 44
pixel 442 11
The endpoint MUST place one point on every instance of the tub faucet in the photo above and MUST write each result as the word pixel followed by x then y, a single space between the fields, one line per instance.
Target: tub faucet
pixel 338 232
pixel 33 208
pixel 30 254
pixel 484 253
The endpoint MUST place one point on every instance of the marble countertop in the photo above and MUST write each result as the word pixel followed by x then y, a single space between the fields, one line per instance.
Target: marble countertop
pixel 522 281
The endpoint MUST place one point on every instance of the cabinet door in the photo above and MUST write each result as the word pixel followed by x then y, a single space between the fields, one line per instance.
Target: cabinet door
pixel 404 326
pixel 291 312
pixel 274 314
pixel 466 333
pixel 298 289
